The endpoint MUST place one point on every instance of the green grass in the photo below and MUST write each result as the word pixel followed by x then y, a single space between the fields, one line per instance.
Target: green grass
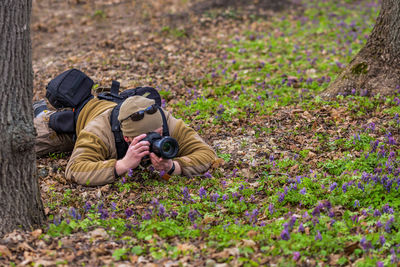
pixel 333 198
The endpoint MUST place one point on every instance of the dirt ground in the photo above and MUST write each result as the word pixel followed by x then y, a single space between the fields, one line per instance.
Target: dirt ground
pixel 167 44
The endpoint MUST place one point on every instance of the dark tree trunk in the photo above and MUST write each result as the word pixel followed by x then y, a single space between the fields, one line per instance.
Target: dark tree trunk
pixel 20 202
pixel 376 68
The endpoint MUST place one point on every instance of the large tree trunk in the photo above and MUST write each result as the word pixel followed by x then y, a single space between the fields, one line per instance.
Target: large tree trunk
pixel 20 202
pixel 376 68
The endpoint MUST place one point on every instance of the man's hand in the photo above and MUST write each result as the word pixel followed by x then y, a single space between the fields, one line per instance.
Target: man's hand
pixel 136 151
pixel 161 164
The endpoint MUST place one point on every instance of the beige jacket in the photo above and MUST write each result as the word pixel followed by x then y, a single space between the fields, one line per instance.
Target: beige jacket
pixel 94 156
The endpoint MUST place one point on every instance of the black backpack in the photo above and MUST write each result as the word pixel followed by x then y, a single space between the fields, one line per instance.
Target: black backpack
pixel 72 89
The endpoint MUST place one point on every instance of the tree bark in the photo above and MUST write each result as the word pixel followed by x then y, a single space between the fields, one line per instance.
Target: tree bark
pixel 376 68
pixel 20 202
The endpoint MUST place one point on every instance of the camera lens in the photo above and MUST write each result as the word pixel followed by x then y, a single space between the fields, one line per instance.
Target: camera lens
pixel 166 147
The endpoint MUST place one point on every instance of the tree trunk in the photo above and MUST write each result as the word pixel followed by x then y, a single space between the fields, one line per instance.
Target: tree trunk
pixel 20 202
pixel 376 68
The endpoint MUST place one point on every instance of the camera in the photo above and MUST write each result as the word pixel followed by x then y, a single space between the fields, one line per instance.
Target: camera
pixel 165 147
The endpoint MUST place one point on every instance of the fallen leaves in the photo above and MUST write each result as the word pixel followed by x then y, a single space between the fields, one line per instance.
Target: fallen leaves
pixel 4 251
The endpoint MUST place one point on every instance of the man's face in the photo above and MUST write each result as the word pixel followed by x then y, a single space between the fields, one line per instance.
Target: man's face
pixel 130 139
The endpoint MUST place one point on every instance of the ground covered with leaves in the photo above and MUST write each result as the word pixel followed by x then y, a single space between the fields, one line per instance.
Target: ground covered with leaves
pixel 301 180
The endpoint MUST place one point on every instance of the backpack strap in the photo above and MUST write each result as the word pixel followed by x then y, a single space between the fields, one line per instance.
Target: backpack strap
pixel 115 88
pixel 120 143
pixel 113 95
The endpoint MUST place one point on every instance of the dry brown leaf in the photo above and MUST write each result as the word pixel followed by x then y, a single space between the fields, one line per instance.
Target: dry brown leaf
pixel 249 243
pixel 252 233
pixel 133 259
pixel 186 247
pixel 333 259
pixel 4 251
pixel 24 246
pixel 350 247
pixel 99 232
pixel 226 253
pixel 218 163
pixel 36 233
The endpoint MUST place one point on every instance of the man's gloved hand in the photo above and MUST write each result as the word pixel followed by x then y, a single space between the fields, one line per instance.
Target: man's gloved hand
pixel 136 151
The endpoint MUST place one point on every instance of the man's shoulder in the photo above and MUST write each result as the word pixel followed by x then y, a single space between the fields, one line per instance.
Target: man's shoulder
pixel 100 128
pixel 100 123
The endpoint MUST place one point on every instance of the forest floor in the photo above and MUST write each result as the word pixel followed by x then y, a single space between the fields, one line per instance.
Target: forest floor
pixel 301 180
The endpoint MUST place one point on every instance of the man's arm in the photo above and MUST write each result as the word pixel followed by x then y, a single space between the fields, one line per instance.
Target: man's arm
pixel 195 156
pixel 90 162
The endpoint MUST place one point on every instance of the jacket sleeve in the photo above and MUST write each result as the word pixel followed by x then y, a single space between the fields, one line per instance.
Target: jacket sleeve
pixel 93 161
pixel 195 156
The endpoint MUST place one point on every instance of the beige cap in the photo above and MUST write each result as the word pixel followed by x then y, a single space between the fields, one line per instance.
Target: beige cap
pixel 149 123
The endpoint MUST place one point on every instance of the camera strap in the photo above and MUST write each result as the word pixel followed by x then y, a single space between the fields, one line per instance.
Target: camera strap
pixel 165 124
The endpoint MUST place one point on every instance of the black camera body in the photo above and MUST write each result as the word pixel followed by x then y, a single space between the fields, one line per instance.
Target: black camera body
pixel 165 147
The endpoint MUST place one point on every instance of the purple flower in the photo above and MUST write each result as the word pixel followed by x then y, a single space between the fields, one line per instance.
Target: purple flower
pixel 147 216
pixel 356 203
pixel 271 208
pixel 285 235
pixel 186 195
pixel 214 197
pixel 292 221
pixel 382 240
pixel 56 221
pixel 377 213
pixel 155 202
pixel 331 213
pixel 388 225
pixel 72 212
pixel 379 264
pixel 128 212
pixel 103 214
pixel 318 237
pixel 379 224
pixel 317 209
pixel 207 175
pixel 305 215
pixel 301 228
pixel 303 191
pixel 174 214
pixel 364 212
pixel 366 245
pixel 193 214
pixel 344 187
pixel 387 209
pixel 393 258
pixel 333 186
pixel 202 193
pixel 161 211
pixel 281 197
pixel 253 216
pixel 87 206
pixel 296 255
